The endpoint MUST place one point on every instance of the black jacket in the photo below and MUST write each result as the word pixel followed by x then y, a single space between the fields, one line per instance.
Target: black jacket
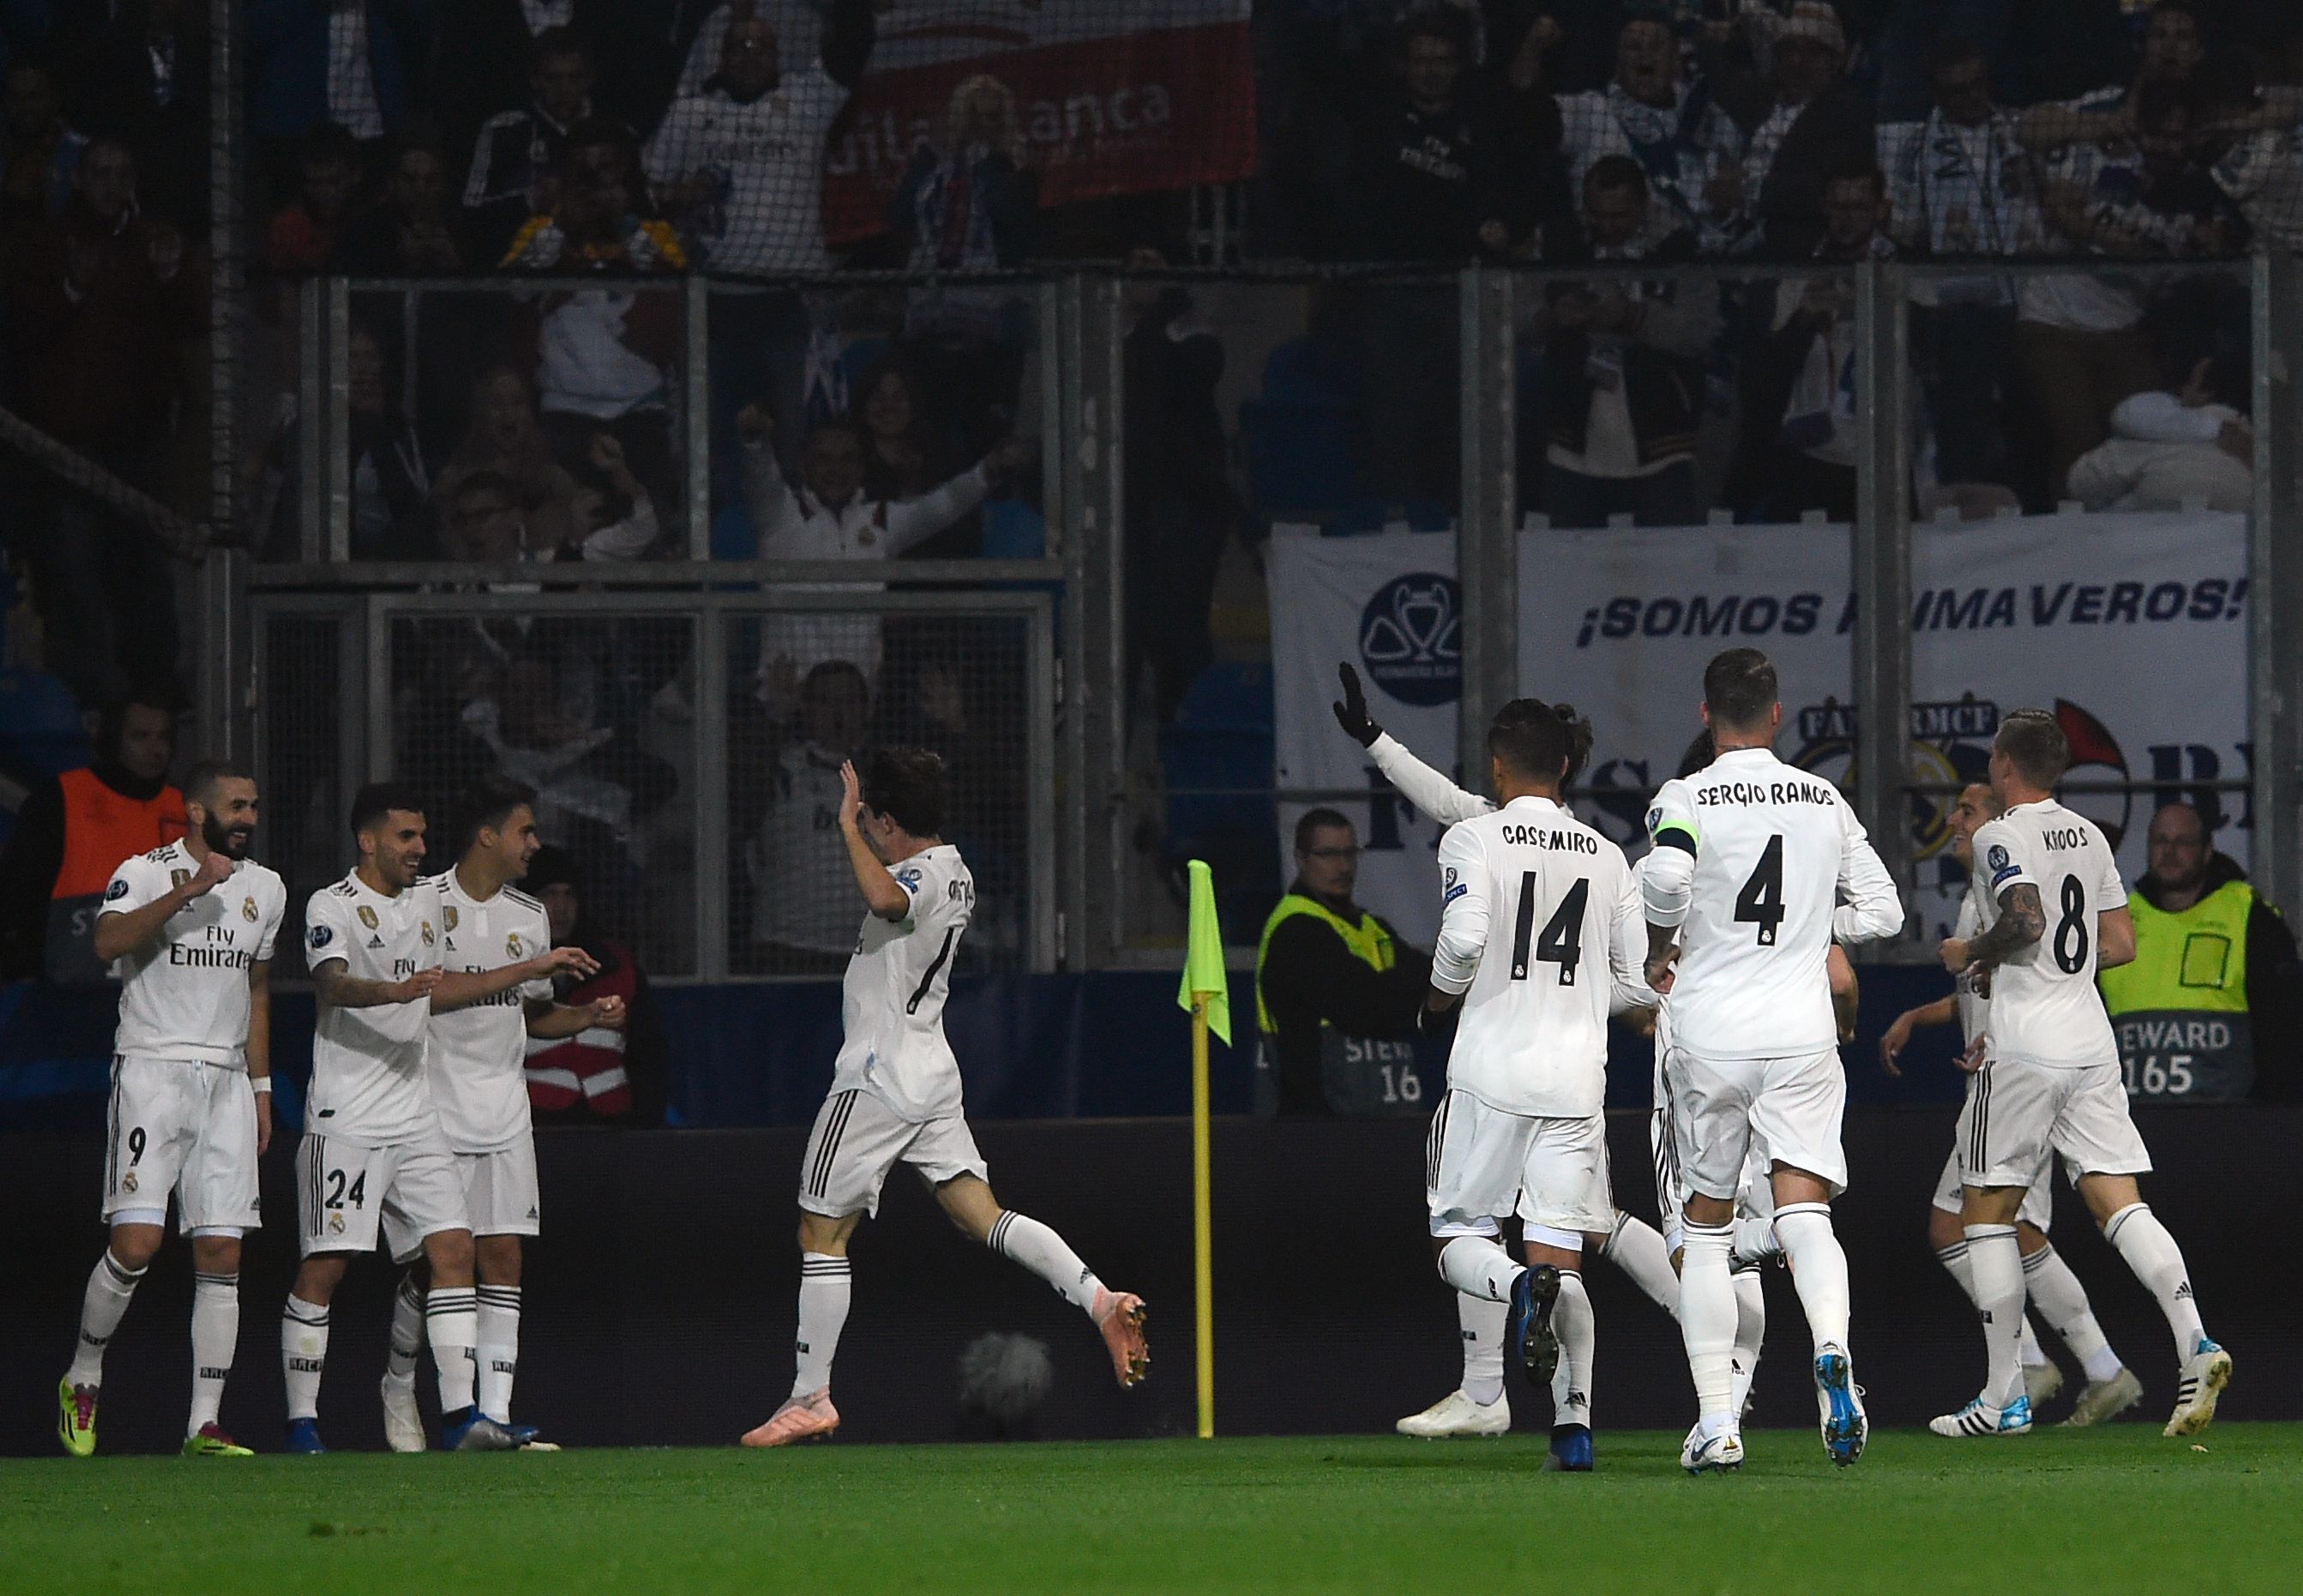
pixel 1309 976
pixel 1663 391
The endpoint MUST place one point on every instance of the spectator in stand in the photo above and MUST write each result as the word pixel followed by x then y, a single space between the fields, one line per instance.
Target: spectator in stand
pixel 968 206
pixel 2260 169
pixel 2170 451
pixel 103 308
pixel 599 1077
pixel 405 233
pixel 392 514
pixel 903 457
pixel 491 51
pixel 740 168
pixel 2173 47
pixel 71 834
pixel 615 518
pixel 302 234
pixel 1960 184
pixel 595 218
pixel 147 77
pixel 517 155
pixel 1432 178
pixel 504 437
pixel 829 516
pixel 42 149
pixel 2080 339
pixel 1813 122
pixel 1673 126
pixel 1800 427
pixel 803 888
pixel 1181 510
pixel 1623 368
pixel 353 63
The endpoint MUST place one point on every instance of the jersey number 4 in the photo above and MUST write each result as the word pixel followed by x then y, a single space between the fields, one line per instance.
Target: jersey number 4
pixel 1562 942
pixel 1761 901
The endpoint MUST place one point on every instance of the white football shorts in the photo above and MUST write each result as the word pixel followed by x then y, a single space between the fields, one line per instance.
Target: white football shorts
pixel 344 1193
pixel 187 1127
pixel 500 1198
pixel 858 1138
pixel 2018 1116
pixel 1481 1162
pixel 1721 1109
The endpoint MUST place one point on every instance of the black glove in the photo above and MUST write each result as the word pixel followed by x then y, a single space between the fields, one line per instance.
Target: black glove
pixel 1352 712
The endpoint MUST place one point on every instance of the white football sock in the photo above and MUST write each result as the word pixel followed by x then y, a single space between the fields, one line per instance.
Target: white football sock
pixel 1578 1331
pixel 826 1286
pixel 1482 1324
pixel 1998 1266
pixel 303 1355
pixel 451 1323
pixel 2158 1262
pixel 1637 1249
pixel 1954 1259
pixel 1750 1330
pixel 1707 1320
pixel 407 1330
pixel 215 1337
pixel 1022 1239
pixel 1818 1269
pixel 110 1286
pixel 1755 1240
pixel 1477 1267
pixel 2063 1302
pixel 497 1356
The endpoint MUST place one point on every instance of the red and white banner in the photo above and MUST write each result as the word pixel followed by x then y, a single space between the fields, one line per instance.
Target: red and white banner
pixel 1112 96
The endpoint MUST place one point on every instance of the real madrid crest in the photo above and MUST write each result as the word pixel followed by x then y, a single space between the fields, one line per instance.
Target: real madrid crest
pixel 128 1181
pixel 367 917
pixel 335 1224
pixel 247 910
pixel 513 946
pixel 427 933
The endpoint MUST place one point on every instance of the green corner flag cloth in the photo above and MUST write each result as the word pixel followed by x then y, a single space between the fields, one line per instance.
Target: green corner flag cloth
pixel 1204 962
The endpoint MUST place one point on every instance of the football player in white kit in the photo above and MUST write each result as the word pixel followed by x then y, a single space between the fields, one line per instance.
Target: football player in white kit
pixel 1540 937
pixel 189 929
pixel 2047 1281
pixel 1478 1406
pixel 1751 857
pixel 896 1089
pixel 2050 1081
pixel 372 1140
pixel 495 992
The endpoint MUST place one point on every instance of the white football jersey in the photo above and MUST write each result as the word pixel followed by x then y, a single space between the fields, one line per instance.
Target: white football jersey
pixel 1540 927
pixel 183 996
pixel 806 888
pixel 892 999
pixel 1772 849
pixel 478 1054
pixel 368 1065
pixel 2045 1008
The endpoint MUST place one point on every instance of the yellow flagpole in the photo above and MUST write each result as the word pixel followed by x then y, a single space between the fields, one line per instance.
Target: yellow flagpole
pixel 1203 1220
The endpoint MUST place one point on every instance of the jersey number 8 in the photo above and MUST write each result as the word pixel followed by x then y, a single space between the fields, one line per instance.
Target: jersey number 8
pixel 1562 942
pixel 2070 931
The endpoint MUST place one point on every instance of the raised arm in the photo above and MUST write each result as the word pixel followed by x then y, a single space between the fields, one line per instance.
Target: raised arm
pixel 768 498
pixel 882 893
pixel 122 929
pixel 1418 782
pixel 912 521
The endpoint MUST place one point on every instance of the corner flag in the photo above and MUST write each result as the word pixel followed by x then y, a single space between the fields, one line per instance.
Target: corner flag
pixel 1203 961
pixel 1207 994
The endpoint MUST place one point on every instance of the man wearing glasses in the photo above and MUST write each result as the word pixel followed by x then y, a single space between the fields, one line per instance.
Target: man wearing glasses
pixel 1336 992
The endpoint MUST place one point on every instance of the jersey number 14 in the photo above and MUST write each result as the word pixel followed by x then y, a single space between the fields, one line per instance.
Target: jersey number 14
pixel 1562 942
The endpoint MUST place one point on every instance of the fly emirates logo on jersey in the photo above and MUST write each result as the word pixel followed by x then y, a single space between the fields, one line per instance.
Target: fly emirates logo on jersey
pixel 215 950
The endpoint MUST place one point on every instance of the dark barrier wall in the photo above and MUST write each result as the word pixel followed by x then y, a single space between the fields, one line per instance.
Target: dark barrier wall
pixel 1053 1046
pixel 659 1300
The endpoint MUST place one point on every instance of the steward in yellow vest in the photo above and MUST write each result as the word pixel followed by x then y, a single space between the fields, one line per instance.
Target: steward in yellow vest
pixel 1336 994
pixel 2206 1011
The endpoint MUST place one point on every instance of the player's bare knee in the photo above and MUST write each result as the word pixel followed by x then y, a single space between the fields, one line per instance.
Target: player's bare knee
pixel 449 1254
pixel 215 1255
pixel 821 1234
pixel 2030 1240
pixel 968 1203
pixel 1710 1210
pixel 2106 1195
pixel 318 1276
pixel 1944 1230
pixel 133 1246
pixel 497 1259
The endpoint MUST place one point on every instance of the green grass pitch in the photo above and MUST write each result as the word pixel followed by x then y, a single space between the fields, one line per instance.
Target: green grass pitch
pixel 2118 1509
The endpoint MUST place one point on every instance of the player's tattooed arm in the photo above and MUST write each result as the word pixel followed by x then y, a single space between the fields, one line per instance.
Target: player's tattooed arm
pixel 2021 922
pixel 461 989
pixel 340 989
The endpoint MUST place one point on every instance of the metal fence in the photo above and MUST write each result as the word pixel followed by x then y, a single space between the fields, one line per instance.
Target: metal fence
pixel 685 746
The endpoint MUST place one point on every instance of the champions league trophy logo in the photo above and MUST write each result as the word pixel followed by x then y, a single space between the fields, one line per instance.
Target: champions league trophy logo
pixel 1411 639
